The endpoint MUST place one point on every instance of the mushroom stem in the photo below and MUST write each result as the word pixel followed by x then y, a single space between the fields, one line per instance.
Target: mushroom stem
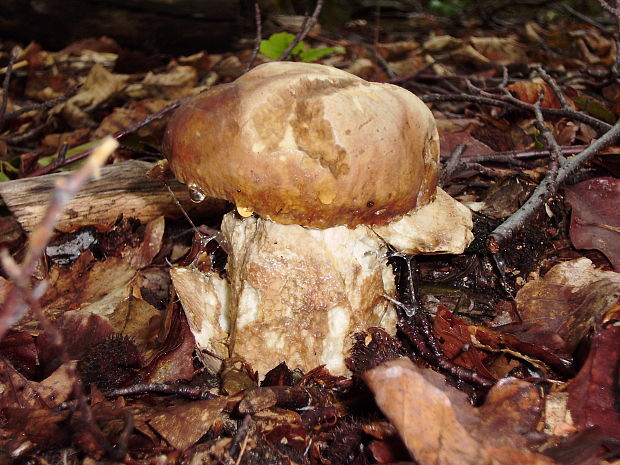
pixel 299 293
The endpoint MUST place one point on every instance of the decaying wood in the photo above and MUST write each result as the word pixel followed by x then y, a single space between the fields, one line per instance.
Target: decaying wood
pixel 122 189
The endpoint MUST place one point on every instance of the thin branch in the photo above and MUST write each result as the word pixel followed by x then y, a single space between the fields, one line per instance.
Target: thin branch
pixel 257 40
pixel 512 103
pixel 43 105
pixel 307 27
pixel 5 86
pixel 66 187
pixel 191 392
pixel 554 87
pixel 547 187
pixel 123 132
pixel 451 166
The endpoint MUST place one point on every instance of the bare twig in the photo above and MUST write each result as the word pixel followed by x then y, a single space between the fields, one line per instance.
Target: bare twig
pixel 308 25
pixel 512 103
pixel 66 187
pixel 257 41
pixel 123 132
pixel 547 187
pixel 5 86
pixel 554 87
pixel 191 392
pixel 452 164
pixel 43 105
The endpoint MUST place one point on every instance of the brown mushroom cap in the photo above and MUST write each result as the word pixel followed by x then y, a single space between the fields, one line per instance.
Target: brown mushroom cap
pixel 308 144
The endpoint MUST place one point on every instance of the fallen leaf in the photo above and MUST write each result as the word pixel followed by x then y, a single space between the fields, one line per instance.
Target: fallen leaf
pixel 502 51
pixel 440 427
pixel 595 218
pixel 456 342
pixel 529 92
pixel 184 424
pixel 593 393
pixel 558 310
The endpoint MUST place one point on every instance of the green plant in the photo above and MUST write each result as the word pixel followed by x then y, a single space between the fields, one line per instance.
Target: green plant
pixel 279 42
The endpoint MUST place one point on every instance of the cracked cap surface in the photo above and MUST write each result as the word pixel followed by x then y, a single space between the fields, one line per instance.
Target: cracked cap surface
pixel 308 144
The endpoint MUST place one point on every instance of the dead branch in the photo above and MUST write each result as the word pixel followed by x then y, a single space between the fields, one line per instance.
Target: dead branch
pixel 5 86
pixel 257 41
pixel 418 329
pixel 123 132
pixel 307 26
pixel 66 187
pixel 513 103
pixel 547 187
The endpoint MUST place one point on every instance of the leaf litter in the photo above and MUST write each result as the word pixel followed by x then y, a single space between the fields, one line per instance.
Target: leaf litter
pixel 539 319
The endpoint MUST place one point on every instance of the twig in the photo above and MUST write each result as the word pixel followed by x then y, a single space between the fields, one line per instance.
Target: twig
pixel 43 105
pixel 458 371
pixel 452 164
pixel 257 41
pixel 123 132
pixel 554 87
pixel 308 25
pixel 513 156
pixel 547 187
pixel 581 16
pixel 240 438
pixel 512 103
pixel 5 86
pixel 191 392
pixel 66 187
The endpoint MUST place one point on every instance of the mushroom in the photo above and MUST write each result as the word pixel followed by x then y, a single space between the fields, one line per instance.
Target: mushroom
pixel 325 170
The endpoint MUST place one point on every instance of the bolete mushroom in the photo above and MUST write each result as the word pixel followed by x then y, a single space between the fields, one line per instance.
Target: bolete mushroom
pixel 325 169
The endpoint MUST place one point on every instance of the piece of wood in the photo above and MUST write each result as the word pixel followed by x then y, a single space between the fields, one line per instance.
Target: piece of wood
pixel 172 26
pixel 123 188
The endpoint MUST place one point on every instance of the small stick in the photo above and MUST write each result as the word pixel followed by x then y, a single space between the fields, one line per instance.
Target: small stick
pixel 451 166
pixel 191 392
pixel 43 105
pixel 547 187
pixel 308 25
pixel 5 86
pixel 123 132
pixel 257 41
pixel 66 187
pixel 554 87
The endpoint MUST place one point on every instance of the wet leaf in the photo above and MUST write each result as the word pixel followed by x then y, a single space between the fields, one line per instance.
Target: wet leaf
pixel 592 394
pixel 595 218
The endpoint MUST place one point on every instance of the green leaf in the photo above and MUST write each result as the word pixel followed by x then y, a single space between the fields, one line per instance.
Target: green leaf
pixel 278 43
pixel 313 54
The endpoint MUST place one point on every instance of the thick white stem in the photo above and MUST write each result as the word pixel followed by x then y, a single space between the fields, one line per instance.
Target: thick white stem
pixel 300 293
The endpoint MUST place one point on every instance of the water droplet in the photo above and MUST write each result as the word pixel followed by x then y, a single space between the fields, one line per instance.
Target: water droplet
pixel 244 211
pixel 196 194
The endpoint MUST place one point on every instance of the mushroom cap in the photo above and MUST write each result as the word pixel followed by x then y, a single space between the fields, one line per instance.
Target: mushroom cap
pixel 307 144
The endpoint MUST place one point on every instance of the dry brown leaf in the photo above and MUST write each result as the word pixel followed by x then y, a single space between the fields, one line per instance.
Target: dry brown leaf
pixel 183 425
pixel 171 85
pixel 557 311
pixel 500 50
pixel 440 427
pixel 529 92
pixel 99 86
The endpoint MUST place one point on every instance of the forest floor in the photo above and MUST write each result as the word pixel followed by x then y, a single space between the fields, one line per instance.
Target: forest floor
pixel 512 354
